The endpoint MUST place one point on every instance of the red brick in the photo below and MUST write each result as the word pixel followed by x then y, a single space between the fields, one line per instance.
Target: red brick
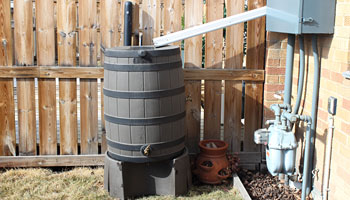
pixel 325 52
pixel 320 103
pixel 271 79
pixel 322 125
pixel 322 115
pixel 344 67
pixel 268 104
pixel 295 81
pixel 325 73
pixel 347 21
pixel 283 62
pixel 274 87
pixel 344 151
pixel 274 36
pixel 346 82
pixel 346 104
pixel 281 79
pixel 345 127
pixel 269 96
pixel 268 113
pixel 273 53
pixel 273 62
pixel 275 71
pixel 274 44
pixel 283 53
pixel 343 174
pixel 337 77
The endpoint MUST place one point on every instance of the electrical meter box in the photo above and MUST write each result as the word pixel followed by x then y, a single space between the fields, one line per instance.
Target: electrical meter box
pixel 300 16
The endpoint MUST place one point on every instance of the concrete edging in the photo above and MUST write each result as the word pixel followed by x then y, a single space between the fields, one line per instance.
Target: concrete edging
pixel 239 185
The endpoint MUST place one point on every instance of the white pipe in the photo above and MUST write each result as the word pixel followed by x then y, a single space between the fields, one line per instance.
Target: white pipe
pixel 328 158
pixel 210 26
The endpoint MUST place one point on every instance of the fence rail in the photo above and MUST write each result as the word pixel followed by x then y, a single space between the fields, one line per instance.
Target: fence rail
pixel 46 40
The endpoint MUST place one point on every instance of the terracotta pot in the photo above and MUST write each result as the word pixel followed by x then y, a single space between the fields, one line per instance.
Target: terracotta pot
pixel 211 162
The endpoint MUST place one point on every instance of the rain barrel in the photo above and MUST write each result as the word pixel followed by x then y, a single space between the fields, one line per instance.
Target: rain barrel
pixel 144 101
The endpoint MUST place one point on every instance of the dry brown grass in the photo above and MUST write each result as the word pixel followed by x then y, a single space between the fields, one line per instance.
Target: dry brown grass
pixel 82 183
pixel 79 183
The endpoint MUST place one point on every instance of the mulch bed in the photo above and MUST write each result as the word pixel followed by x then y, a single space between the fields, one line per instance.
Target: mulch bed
pixel 260 186
pixel 266 187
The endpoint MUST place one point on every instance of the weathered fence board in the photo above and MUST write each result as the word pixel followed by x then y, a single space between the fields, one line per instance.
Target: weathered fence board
pixel 233 89
pixel 88 87
pixel 110 37
pixel 172 17
pixel 193 60
pixel 47 87
pixel 213 59
pixel 66 39
pixel 97 72
pixel 253 90
pixel 150 20
pixel 24 55
pixel 7 105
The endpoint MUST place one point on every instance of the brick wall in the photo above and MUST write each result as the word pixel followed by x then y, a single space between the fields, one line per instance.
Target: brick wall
pixel 335 59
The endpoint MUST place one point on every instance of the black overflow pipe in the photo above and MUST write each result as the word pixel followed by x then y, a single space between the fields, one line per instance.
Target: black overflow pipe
pixel 127 23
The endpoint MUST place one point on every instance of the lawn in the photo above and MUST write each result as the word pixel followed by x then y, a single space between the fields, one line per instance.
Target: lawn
pixel 84 183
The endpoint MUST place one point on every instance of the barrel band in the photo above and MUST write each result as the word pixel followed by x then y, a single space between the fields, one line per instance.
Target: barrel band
pixel 143 94
pixel 145 121
pixel 134 51
pixel 139 159
pixel 137 147
pixel 142 67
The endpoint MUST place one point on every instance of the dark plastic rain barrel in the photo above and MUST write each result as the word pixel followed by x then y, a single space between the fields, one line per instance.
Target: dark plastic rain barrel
pixel 144 99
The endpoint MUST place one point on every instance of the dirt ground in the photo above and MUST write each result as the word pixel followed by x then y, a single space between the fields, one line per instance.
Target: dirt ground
pixel 85 183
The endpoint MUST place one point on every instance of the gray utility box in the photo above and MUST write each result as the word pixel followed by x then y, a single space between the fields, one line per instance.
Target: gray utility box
pixel 300 16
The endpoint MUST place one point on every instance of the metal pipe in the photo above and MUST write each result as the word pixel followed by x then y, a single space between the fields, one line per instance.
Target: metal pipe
pixel 328 158
pixel 314 108
pixel 310 140
pixel 289 70
pixel 290 116
pixel 127 23
pixel 306 161
pixel 277 111
pixel 301 74
pixel 286 180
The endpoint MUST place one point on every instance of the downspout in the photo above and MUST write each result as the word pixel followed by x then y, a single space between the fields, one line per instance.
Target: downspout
pixel 328 158
pixel 127 23
pixel 310 139
pixel 301 74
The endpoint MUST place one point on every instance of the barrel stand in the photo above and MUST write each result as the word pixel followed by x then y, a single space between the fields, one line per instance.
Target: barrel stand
pixel 126 180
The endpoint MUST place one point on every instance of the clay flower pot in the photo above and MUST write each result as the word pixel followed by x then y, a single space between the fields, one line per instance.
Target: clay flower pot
pixel 212 163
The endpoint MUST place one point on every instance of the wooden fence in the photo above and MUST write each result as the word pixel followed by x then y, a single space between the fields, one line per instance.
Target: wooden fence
pixel 51 75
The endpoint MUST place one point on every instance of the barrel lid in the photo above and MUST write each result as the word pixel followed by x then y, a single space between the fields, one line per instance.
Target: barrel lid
pixel 140 51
